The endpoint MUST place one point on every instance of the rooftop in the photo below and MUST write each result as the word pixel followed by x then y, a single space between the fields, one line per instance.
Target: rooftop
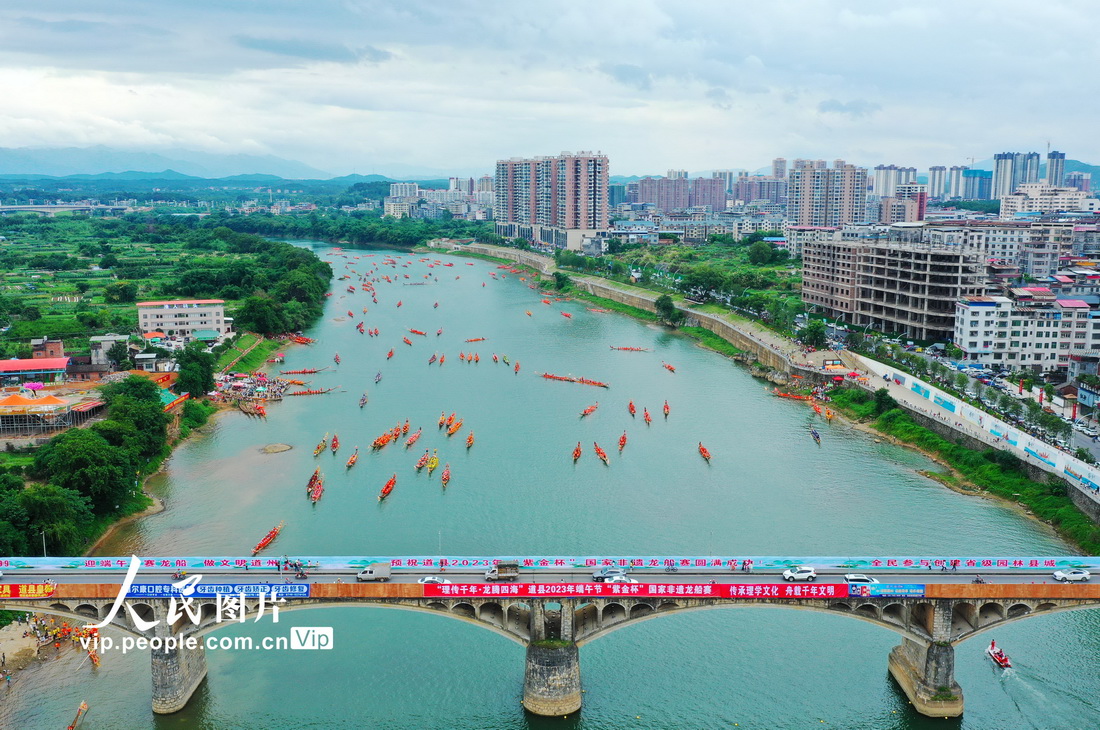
pixel 181 301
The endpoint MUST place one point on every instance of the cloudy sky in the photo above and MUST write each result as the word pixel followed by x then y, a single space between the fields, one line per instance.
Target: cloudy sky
pixel 365 86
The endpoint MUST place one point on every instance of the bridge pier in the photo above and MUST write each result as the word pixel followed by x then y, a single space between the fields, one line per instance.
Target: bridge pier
pixel 552 679
pixel 926 672
pixel 177 673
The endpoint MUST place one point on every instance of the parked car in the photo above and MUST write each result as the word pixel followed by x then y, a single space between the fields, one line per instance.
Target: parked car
pixel 800 572
pixel 859 579
pixel 1074 574
pixel 607 572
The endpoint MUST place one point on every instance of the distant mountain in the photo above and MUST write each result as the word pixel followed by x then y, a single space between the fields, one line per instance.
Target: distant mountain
pixel 64 161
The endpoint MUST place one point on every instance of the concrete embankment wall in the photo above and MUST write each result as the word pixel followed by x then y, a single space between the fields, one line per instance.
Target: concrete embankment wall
pixel 1077 495
pixel 607 290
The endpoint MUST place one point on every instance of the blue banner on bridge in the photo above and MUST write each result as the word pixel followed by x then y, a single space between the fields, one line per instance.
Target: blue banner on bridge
pixel 901 590
pixel 204 590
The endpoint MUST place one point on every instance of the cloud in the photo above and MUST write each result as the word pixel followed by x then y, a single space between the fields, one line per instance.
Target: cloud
pixel 628 75
pixel 854 109
pixel 654 84
pixel 311 50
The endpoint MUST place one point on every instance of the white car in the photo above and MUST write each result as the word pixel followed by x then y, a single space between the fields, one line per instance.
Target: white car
pixel 800 572
pixel 1074 574
pixel 859 579
pixel 621 579
pixel 433 580
pixel 607 573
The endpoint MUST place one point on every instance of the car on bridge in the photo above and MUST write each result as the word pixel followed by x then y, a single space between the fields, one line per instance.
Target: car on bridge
pixel 607 572
pixel 1075 574
pixel 800 572
pixel 433 580
pixel 859 579
pixel 621 579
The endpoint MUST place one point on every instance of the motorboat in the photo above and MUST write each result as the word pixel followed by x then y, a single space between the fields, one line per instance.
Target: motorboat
pixel 997 656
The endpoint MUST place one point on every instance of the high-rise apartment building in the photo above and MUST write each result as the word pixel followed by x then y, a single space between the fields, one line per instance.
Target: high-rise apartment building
pixel 1011 169
pixel 729 177
pixel 485 184
pixel 708 191
pixel 827 196
pixel 552 200
pixel 937 181
pixel 404 190
pixel 888 177
pixel 664 193
pixel 955 182
pixel 1079 180
pixel 907 205
pixel 779 168
pixel 1056 168
pixel 677 174
pixel 800 164
pixel 977 184
pixel 462 185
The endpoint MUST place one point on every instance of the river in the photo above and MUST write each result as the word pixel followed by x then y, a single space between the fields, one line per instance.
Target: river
pixel 768 491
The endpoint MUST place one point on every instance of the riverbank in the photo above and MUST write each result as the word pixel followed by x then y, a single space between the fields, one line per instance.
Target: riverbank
pixel 156 506
pixel 991 473
pixel 19 651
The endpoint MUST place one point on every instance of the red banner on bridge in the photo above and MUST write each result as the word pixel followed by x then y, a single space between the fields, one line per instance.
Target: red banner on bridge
pixel 26 590
pixel 636 590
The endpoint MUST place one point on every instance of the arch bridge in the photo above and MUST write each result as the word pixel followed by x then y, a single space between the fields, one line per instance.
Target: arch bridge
pixel 554 627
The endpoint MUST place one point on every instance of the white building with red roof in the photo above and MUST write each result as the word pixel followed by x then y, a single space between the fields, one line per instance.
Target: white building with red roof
pixel 183 319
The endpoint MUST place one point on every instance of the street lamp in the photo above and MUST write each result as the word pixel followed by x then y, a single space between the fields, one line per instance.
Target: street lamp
pixel 43 543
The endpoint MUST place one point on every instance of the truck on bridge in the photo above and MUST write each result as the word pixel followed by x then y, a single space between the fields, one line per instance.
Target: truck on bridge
pixel 503 571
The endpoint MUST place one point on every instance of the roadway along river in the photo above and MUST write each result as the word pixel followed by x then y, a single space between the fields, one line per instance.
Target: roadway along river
pixel 769 490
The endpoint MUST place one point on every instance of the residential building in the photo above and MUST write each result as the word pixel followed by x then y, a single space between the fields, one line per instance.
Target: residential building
pixel 463 185
pixel 185 319
pixel 45 347
pixel 799 236
pixel 1039 197
pixel 677 175
pixel 1030 329
pixel 907 205
pixel 779 168
pixel 729 177
pixel 937 182
pixel 888 177
pixel 404 190
pixel 896 284
pixel 709 192
pixel 666 194
pixel 552 200
pixel 955 182
pixel 1056 169
pixel 399 209
pixel 977 185
pixel 485 184
pixel 1012 169
pixel 1079 180
pixel 821 196
pixel 100 344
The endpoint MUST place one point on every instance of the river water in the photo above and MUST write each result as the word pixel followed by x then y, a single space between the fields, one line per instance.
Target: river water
pixel 769 491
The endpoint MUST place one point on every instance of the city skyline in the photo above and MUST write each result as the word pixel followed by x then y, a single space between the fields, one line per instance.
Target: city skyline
pixel 367 87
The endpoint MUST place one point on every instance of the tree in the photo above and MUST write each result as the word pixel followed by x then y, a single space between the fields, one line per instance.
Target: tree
pixel 667 311
pixel 1084 455
pixel 135 386
pixel 961 380
pixel 120 292
pixel 814 334
pixel 31 314
pixel 119 354
pixel 261 314
pixel 196 370
pixel 83 287
pixel 148 419
pixel 109 261
pixel 761 253
pixel 60 513
pixel 561 281
pixel 884 401
pixel 82 460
